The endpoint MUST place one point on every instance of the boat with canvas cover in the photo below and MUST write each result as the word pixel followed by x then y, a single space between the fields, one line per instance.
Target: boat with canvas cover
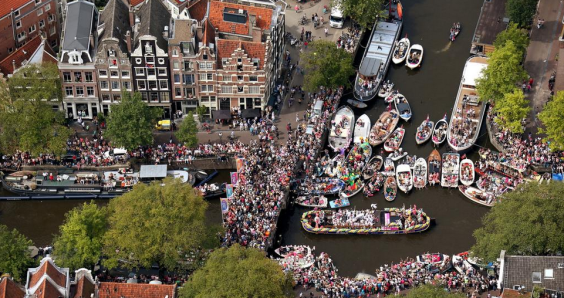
pixel 312 201
pixel 440 131
pixel 477 196
pixel 376 60
pixel 393 143
pixel 384 127
pixel 390 189
pixel 468 111
pixel 467 172
pixel 374 184
pixel 361 129
pixel 357 104
pixel 415 56
pixel 403 107
pixel 424 131
pixel 434 167
pixel 390 221
pixel 340 203
pixel 389 168
pixel 386 89
pixel 373 166
pixel 340 135
pixel 404 178
pixel 420 173
pixel 402 48
pixel 451 162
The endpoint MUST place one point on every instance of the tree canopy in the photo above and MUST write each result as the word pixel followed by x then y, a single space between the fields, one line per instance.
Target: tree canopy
pixel 527 221
pixel 503 73
pixel 326 65
pixel 364 12
pixel 14 253
pixel 518 36
pixel 430 291
pixel 130 123
pixel 27 119
pixel 551 117
pixel 511 109
pixel 238 272
pixel 157 223
pixel 188 131
pixel 80 240
pixel 521 12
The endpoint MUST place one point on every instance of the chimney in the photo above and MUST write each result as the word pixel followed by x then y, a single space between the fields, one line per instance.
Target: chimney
pixel 128 41
pixel 131 17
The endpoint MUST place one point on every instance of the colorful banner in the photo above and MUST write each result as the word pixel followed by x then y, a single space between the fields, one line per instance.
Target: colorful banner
pixel 224 205
pixel 242 178
pixel 229 190
pixel 240 162
pixel 234 178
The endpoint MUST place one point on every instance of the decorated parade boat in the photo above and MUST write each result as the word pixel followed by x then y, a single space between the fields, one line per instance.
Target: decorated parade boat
pixel 384 127
pixel 449 177
pixel 424 131
pixel 340 135
pixel 468 111
pixel 434 167
pixel 376 222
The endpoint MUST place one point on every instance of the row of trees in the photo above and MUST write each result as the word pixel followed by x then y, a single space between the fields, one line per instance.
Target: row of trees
pixel 500 83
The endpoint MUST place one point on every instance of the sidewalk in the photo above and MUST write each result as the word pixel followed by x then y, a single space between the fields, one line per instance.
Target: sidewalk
pixel 542 56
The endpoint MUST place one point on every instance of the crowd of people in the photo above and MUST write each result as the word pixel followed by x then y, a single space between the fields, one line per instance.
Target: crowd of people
pixel 464 127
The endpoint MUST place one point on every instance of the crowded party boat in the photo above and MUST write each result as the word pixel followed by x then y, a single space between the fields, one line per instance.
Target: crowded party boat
pixel 450 171
pixel 440 131
pixel 312 201
pixel 402 48
pixel 424 131
pixel 434 166
pixel 340 135
pixel 384 127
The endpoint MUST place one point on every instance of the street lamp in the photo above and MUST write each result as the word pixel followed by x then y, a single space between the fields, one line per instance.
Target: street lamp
pixel 220 135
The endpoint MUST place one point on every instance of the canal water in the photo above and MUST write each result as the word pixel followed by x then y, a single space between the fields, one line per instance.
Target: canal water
pixel 431 90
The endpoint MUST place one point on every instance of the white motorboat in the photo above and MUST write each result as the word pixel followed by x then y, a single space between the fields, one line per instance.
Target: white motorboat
pixel 415 56
pixel 404 177
pixel 386 89
pixel 340 135
pixel 467 173
pixel 393 143
pixel 402 48
pixel 440 131
pixel 312 201
pixel 478 196
pixel 424 131
pixel 383 128
pixel 397 155
pixel 461 264
pixel 403 107
pixel 449 177
pixel 288 250
pixel 420 173
pixel 361 129
pixel 389 168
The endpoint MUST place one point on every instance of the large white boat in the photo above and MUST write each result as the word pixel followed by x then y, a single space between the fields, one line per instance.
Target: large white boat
pixel 376 59
pixel 362 129
pixel 342 128
pixel 468 111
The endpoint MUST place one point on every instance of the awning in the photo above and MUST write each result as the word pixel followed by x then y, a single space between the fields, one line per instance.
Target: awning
pixel 221 114
pixel 250 113
pixel 152 171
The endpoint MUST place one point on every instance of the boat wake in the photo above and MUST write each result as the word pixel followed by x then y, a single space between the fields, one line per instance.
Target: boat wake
pixel 445 48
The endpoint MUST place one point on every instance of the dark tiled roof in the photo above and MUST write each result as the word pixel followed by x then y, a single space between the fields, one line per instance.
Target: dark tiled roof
pixel 253 50
pixel 117 290
pixel 198 9
pixel 9 289
pixel 263 17
pixel 154 17
pixel 80 22
pixel 21 54
pixel 490 22
pixel 518 270
pixel 115 18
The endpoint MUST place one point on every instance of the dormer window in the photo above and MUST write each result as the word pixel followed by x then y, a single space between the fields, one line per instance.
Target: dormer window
pixel 224 61
pixel 256 62
pixel 148 49
pixel 111 53
pixel 205 56
pixel 239 60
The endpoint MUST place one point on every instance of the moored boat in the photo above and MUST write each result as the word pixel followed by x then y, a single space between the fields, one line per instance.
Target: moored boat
pixel 383 128
pixel 373 166
pixel 389 167
pixel 403 107
pixel 404 178
pixel 415 56
pixel 376 222
pixel 450 171
pixel 397 155
pixel 440 131
pixel 357 104
pixel 352 189
pixel 340 203
pixel 461 264
pixel 390 189
pixel 434 167
pixel 393 143
pixel 391 96
pixel 374 184
pixel 401 51
pixel 468 111
pixel 312 201
pixel 420 173
pixel 319 186
pixel 289 250
pixel 361 129
pixel 213 190
pixel 467 172
pixel 441 262
pixel 424 131
pixel 340 135
pixel 477 196
pixel 386 88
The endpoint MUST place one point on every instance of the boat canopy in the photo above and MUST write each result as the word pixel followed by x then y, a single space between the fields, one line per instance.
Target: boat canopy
pixel 370 66
pixel 402 106
pixel 152 171
pixel 472 72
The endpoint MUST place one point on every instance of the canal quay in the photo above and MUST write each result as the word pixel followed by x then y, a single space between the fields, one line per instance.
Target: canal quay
pixel 431 90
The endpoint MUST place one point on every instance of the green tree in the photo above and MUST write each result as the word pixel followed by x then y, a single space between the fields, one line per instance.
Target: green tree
pixel 326 65
pixel 238 272
pixel 188 131
pixel 364 12
pixel 551 117
pixel 155 223
pixel 521 12
pixel 14 253
pixel 511 109
pixel 130 123
pixel 201 110
pixel 503 73
pixel 527 221
pixel 27 119
pixel 429 291
pixel 79 244
pixel 519 37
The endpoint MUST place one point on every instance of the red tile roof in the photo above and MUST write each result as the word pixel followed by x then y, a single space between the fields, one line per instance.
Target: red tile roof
pixel 226 47
pixel 48 268
pixel 9 289
pixel 8 5
pixel 136 2
pixel 84 288
pixel 47 290
pixel 117 290
pixel 19 55
pixel 263 17
pixel 209 34
pixel 198 9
